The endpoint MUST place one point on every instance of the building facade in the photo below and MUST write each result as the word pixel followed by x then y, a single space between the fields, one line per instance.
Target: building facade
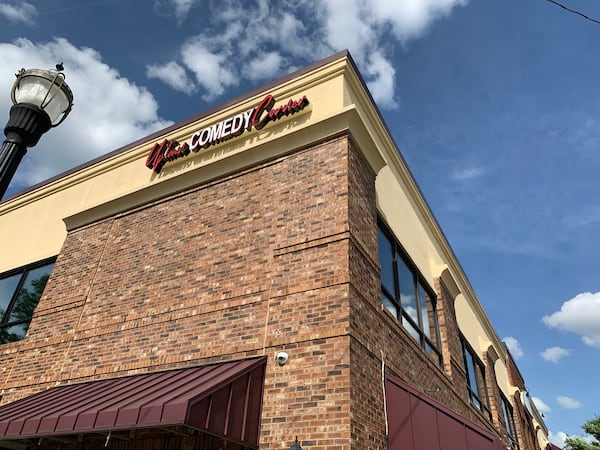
pixel 264 271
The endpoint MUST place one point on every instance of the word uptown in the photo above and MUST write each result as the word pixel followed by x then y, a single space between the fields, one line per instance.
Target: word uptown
pixel 257 117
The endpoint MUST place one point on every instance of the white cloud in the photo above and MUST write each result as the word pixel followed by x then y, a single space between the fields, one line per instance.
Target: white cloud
pixel 514 347
pixel 568 402
pixel 467 173
pixel 411 18
pixel 263 65
pixel 297 39
pixel 346 26
pixel 555 354
pixel 381 83
pixel 558 438
pixel 180 8
pixel 21 12
pixel 241 41
pixel 109 111
pixel 363 28
pixel 541 405
pixel 232 48
pixel 173 75
pixel 211 69
pixel 580 315
pixel 353 23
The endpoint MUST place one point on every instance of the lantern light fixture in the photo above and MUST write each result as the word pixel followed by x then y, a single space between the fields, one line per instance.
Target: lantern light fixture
pixel 41 100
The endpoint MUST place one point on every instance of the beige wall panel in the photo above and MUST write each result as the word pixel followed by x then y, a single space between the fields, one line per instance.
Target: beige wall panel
pixel 401 214
pixel 471 327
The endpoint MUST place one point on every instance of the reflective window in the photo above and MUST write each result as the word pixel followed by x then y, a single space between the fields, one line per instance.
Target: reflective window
pixel 20 292
pixel 406 296
pixel 476 384
pixel 509 422
pixel 386 253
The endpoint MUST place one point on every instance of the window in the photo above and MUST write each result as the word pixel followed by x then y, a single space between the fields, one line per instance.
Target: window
pixel 20 292
pixel 476 385
pixel 509 422
pixel 406 296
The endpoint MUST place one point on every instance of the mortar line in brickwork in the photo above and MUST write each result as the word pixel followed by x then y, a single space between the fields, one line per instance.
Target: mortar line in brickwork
pixel 310 243
pixel 268 315
pixel 14 361
pixel 303 291
pixel 361 249
pixel 311 340
pixel 92 283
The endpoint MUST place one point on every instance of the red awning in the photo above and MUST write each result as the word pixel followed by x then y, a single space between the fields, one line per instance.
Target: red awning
pixel 417 422
pixel 222 399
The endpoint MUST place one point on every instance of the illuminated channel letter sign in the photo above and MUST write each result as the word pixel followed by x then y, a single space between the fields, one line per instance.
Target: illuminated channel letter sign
pixel 257 117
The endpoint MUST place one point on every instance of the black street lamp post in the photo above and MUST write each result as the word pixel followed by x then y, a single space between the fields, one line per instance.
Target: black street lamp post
pixel 41 100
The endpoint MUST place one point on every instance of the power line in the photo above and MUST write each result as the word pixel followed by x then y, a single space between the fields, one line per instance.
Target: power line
pixel 574 12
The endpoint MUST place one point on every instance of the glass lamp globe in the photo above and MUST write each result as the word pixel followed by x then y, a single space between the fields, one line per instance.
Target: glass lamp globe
pixel 45 89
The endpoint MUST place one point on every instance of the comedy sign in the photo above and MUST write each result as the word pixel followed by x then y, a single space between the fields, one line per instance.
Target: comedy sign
pixel 257 117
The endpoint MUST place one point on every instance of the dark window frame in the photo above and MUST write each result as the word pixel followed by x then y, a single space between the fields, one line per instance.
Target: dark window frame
pixel 509 421
pixel 477 388
pixel 417 327
pixel 22 272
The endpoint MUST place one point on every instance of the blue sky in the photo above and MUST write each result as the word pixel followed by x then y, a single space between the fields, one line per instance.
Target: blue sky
pixel 495 105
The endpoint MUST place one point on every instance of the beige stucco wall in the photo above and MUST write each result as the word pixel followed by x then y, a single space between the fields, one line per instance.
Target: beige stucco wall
pixel 397 207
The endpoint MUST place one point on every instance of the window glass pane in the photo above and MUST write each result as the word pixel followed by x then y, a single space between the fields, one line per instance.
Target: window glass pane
pixel 386 260
pixel 507 420
pixel 476 402
pixel 414 332
pixel 7 289
pixel 429 349
pixel 471 373
pixel 14 333
pixel 426 311
pixel 389 305
pixel 429 316
pixel 433 354
pixel 482 387
pixel 30 294
pixel 408 298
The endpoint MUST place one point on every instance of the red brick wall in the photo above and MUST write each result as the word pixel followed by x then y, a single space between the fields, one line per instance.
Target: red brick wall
pixel 250 264
pixel 526 432
pixel 279 257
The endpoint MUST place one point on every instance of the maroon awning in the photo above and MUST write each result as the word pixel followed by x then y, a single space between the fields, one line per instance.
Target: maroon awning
pixel 416 422
pixel 223 399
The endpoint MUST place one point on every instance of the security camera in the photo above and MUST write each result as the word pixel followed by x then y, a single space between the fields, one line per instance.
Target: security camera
pixel 281 358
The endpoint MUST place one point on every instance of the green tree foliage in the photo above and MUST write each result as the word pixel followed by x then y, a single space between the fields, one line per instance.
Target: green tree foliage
pixel 591 427
pixel 28 300
pixel 22 311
